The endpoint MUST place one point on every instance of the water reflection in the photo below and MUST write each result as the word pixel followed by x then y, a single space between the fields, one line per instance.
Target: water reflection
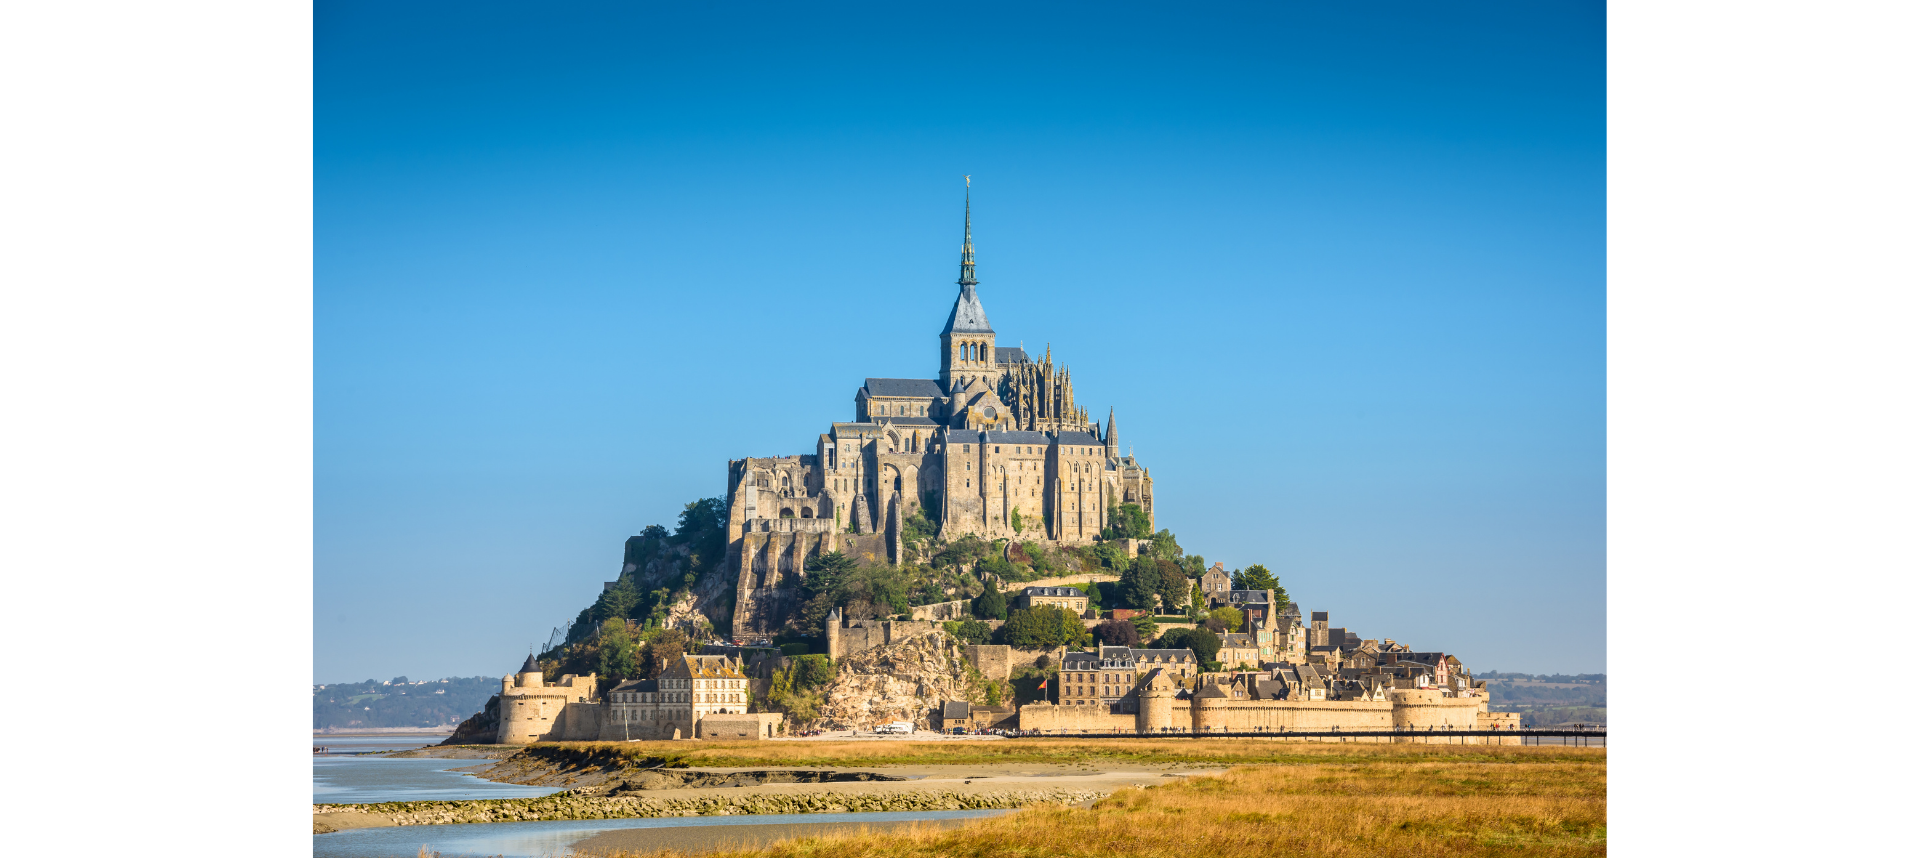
pixel 555 838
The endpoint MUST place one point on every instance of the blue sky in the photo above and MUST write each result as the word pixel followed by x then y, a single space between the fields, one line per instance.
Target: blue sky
pixel 1340 270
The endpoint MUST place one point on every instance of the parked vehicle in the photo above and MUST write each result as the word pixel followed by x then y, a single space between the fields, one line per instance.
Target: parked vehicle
pixel 896 728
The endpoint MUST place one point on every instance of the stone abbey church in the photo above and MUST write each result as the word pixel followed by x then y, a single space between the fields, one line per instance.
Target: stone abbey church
pixel 994 446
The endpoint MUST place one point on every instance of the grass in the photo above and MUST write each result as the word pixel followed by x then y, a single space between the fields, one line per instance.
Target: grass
pixel 1048 751
pixel 1406 805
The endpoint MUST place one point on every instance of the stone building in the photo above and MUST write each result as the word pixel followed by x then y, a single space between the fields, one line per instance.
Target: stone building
pixel 1215 584
pixel 703 695
pixel 1111 677
pixel 995 445
pixel 1072 599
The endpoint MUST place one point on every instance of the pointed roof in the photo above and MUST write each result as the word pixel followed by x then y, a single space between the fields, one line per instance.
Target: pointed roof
pixel 968 317
pixel 530 666
pixel 1111 431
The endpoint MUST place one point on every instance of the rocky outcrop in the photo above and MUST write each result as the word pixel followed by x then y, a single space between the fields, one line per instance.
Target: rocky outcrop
pixel 568 805
pixel 482 728
pixel 900 681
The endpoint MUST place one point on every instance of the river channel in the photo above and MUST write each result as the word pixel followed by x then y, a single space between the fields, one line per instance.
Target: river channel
pixel 556 838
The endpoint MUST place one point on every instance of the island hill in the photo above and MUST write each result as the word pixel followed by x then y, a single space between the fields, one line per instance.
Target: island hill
pixel 968 551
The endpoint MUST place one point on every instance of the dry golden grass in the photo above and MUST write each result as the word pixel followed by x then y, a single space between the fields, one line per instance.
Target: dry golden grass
pixel 1058 751
pixel 1388 807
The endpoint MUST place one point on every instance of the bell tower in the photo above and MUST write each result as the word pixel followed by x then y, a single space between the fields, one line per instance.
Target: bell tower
pixel 966 343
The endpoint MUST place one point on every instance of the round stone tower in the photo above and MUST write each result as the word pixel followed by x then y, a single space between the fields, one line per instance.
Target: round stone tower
pixel 1209 708
pixel 530 675
pixel 526 715
pixel 1156 704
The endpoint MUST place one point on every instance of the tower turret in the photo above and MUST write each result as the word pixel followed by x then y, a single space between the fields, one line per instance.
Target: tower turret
pixel 1113 437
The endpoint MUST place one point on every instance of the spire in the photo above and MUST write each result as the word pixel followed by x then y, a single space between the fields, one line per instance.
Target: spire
pixel 968 316
pixel 966 243
pixel 1113 435
pixel 530 666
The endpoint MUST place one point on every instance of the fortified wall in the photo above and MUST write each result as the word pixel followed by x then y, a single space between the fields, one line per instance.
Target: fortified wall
pixel 1160 712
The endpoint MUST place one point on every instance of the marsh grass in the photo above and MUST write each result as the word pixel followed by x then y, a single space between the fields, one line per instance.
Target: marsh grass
pixel 1385 807
pixel 1045 751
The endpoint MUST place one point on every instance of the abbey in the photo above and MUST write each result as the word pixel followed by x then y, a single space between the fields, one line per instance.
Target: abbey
pixel 995 446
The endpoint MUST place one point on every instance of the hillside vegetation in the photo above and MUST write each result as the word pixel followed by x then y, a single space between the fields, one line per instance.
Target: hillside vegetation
pixel 400 703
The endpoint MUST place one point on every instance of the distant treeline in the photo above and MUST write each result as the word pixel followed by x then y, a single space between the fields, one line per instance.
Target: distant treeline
pixel 1548 700
pixel 399 702
pixel 1600 678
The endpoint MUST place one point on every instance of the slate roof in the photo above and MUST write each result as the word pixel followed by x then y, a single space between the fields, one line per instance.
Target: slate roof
pixel 909 421
pixel 1256 596
pixel 1054 591
pixel 530 666
pixel 637 685
pixel 1017 438
pixel 1320 616
pixel 1213 691
pixel 1080 439
pixel 925 387
pixel 1078 661
pixel 1237 640
pixel 1010 354
pixel 967 317
pixel 963 436
pixel 1183 656
pixel 954 710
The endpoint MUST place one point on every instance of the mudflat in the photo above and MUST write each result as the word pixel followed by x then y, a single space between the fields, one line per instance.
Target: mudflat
pixel 710 838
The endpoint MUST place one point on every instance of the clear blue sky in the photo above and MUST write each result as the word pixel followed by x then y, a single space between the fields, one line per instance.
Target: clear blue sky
pixel 1340 267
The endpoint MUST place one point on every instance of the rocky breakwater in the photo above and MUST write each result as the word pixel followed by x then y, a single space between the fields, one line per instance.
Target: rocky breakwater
pixel 901 681
pixel 569 805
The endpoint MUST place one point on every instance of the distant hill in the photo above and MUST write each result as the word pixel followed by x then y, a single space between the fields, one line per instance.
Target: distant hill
pixel 1548 700
pixel 399 702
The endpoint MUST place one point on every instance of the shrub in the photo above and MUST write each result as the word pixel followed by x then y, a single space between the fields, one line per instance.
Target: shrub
pixel 1043 627
pixel 968 631
pixel 793 649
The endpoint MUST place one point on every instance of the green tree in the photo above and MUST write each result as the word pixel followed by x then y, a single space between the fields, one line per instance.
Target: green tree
pixel 1140 584
pixel 1255 577
pixel 1229 617
pixel 1127 521
pixel 1145 625
pixel 1043 627
pixel 811 671
pixel 666 647
pixel 1014 520
pixel 618 652
pixel 1092 589
pixel 991 605
pixel 1173 585
pixel 969 631
pixel 1205 644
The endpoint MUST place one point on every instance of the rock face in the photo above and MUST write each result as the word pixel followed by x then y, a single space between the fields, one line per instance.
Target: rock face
pixel 900 681
pixel 703 608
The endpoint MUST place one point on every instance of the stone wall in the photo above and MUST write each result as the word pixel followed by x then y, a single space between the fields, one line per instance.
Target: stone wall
pixel 1053 718
pixel 959 609
pixel 994 661
pixel 856 636
pixel 761 725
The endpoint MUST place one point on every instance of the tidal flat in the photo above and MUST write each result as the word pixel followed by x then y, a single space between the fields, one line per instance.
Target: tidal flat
pixel 1104 797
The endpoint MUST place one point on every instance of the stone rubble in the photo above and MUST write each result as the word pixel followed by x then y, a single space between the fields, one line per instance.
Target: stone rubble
pixel 568 805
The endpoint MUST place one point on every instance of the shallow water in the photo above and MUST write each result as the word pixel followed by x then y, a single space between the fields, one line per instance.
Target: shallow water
pixel 363 780
pixel 556 838
pixel 390 742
